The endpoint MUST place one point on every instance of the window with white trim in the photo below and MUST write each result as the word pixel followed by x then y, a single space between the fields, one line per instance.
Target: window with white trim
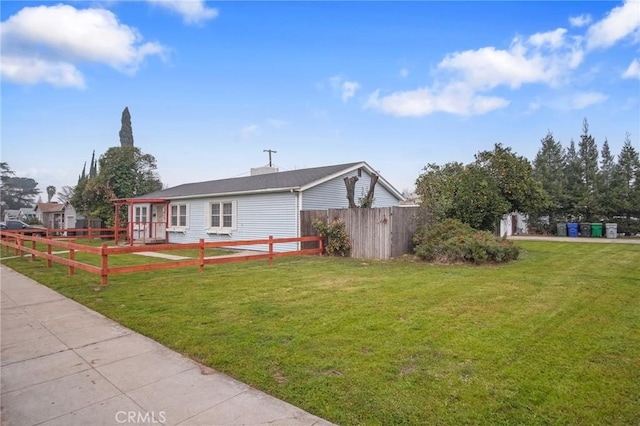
pixel 222 216
pixel 141 214
pixel 178 216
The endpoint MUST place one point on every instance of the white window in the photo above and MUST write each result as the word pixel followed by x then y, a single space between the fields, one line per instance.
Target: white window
pixel 222 216
pixel 140 214
pixel 178 217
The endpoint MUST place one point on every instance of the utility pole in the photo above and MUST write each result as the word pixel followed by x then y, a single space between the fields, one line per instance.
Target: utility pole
pixel 270 151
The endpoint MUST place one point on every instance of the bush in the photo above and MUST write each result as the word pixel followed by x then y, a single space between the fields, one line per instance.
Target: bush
pixel 452 241
pixel 336 237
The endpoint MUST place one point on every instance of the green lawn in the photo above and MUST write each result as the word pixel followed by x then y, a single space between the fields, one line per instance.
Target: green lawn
pixel 551 339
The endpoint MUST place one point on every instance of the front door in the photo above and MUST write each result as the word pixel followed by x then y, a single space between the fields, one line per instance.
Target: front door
pixel 514 224
pixel 160 221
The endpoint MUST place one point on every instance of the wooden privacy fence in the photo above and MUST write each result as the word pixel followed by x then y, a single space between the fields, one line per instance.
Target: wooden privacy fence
pixel 377 233
pixel 24 244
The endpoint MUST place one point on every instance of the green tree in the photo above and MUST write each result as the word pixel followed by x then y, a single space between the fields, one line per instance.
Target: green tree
pixel 627 190
pixel 478 200
pixel 16 192
pixel 588 160
pixel 606 182
pixel 126 131
pixel 436 188
pixel 549 170
pixel 481 193
pixel 124 172
pixel 514 178
pixel 574 182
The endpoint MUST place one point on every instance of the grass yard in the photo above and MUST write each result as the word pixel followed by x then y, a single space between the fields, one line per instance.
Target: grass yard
pixel 551 339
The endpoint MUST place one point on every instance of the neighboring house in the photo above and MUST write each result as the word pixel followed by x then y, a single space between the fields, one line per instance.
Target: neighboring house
pixel 51 215
pixel 252 207
pixel 57 215
pixel 513 224
pixel 26 214
pixel 10 215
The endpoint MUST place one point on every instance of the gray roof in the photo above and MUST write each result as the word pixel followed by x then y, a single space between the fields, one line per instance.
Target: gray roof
pixel 271 181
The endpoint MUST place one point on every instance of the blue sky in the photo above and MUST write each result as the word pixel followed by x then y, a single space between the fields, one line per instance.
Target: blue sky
pixel 210 85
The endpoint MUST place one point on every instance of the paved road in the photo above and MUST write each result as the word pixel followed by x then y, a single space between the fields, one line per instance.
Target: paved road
pixel 64 365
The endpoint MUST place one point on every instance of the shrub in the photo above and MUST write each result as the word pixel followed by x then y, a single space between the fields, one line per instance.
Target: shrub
pixel 452 241
pixel 336 237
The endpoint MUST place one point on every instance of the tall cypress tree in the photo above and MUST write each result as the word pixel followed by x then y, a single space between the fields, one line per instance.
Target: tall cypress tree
pixel 126 131
pixel 93 168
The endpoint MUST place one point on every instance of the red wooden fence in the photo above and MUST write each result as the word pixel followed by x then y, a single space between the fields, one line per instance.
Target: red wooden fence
pixel 18 241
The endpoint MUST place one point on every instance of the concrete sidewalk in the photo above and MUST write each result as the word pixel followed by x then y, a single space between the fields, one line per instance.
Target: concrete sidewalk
pixel 64 364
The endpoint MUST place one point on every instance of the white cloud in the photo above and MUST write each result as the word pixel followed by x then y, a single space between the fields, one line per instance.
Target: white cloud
pixel 584 100
pixel 622 22
pixel 29 71
pixel 346 89
pixel 404 73
pixel 580 21
pixel 543 58
pixel 633 71
pixel 424 101
pixel 192 11
pixel 57 38
pixel 349 89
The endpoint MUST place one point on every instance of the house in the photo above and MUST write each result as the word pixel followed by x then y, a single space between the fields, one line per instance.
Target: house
pixel 57 215
pixel 51 215
pixel 266 203
pixel 513 224
pixel 10 215
pixel 26 214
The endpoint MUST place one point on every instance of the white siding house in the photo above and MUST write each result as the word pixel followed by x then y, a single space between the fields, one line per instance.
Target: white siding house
pixel 252 207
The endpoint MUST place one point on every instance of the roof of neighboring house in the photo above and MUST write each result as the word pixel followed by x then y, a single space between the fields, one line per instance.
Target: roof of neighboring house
pixel 49 207
pixel 11 213
pixel 26 210
pixel 300 180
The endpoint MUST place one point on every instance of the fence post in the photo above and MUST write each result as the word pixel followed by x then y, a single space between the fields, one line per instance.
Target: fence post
pixel 104 270
pixel 48 253
pixel 201 255
pixel 321 244
pixel 115 234
pixel 33 247
pixel 21 245
pixel 270 250
pixel 90 234
pixel 72 256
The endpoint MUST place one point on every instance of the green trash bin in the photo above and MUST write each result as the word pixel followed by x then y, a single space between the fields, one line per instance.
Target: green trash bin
pixel 562 229
pixel 596 230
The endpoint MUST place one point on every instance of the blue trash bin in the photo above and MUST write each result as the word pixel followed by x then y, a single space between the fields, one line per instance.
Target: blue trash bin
pixel 572 229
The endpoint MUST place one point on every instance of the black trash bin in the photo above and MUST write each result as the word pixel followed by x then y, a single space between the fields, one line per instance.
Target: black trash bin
pixel 585 229
pixel 562 229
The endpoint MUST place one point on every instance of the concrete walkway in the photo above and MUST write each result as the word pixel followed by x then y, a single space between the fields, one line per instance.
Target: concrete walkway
pixel 64 364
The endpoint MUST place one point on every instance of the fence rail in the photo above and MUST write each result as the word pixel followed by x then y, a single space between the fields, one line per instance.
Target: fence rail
pixel 26 244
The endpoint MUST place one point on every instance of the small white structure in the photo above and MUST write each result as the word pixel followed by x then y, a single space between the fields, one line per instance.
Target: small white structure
pixel 513 224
